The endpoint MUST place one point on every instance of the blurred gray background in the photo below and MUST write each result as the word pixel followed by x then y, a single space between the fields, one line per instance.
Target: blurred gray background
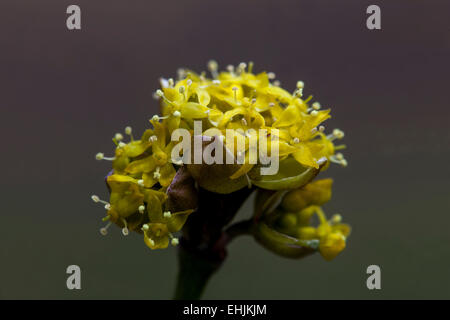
pixel 65 93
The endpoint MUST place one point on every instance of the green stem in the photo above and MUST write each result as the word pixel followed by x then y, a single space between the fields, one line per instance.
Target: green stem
pixel 194 272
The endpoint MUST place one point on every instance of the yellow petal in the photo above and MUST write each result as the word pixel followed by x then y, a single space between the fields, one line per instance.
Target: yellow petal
pixel 143 165
pixel 288 117
pixel 305 157
pixel 167 173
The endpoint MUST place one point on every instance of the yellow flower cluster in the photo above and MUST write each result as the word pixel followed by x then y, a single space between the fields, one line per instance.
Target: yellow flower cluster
pixel 234 99
pixel 296 212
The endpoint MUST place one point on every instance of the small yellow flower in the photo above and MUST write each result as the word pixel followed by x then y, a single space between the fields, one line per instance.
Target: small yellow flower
pixel 331 234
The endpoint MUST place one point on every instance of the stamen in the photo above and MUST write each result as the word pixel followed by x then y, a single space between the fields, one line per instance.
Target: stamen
pixel 171 82
pixel 118 136
pixel 296 140
pixel 97 199
pixel 213 67
pixel 244 122
pixel 121 144
pixel 104 230
pixel 321 128
pixel 300 84
pixel 129 131
pixel 145 227
pixel 182 89
pixel 153 138
pixel 151 241
pixel 216 82
pixel 189 82
pixel 175 241
pixel 271 75
pixel 140 182
pixel 316 105
pixel 230 68
pixel 177 114
pixel 181 73
pixel 277 83
pixel 314 113
pixel 125 230
pixel 241 67
pixel 107 206
pixel 253 101
pixel 235 89
pixel 100 156
pixel 271 104
pixel 141 209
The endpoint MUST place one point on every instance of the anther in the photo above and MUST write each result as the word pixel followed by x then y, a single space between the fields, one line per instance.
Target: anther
pixel 141 209
pixel 296 140
pixel 230 68
pixel 128 130
pixel 189 82
pixel 244 122
pixel 321 128
pixel 159 93
pixel 216 82
pixel 145 227
pixel 271 75
pixel 182 89
pixel 155 118
pixel 118 136
pixel 153 138
pixel 277 83
pixel 271 104
pixel 253 101
pixel 151 242
pixel 300 84
pixel 177 114
pixel 140 182
pixel 336 218
pixel 212 67
pixel 167 214
pixel 156 174
pixel 121 144
pixel 339 134
pixel 174 241
pixel 241 67
pixel 181 73
pixel 314 113
pixel 171 82
pixel 316 105
pixel 107 206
